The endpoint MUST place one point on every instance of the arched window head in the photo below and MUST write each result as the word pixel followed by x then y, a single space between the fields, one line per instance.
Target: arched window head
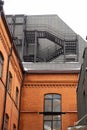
pixel 6 122
pixel 9 82
pixel 1 64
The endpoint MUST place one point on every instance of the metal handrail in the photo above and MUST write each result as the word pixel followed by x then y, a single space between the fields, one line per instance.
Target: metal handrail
pixel 76 123
pixel 52 30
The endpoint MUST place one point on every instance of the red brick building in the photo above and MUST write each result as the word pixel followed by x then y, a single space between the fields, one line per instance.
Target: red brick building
pixel 11 76
pixel 48 99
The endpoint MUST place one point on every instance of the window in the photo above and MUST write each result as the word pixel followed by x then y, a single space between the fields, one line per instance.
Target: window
pixel 14 127
pixel 6 121
pixel 1 64
pixel 70 47
pixel 9 82
pixel 52 104
pixel 17 93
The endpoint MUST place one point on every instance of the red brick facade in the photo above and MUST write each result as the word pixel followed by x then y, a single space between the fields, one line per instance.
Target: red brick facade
pixel 8 104
pixel 32 102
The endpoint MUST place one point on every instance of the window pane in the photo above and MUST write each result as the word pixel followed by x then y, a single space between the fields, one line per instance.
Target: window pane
pixel 56 105
pixel 17 92
pixel 58 117
pixel 56 96
pixel 9 82
pixel 47 125
pixel 56 125
pixel 47 117
pixel 48 96
pixel 48 105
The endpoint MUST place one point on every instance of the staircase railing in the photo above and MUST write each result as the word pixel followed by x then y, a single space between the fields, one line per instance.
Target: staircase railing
pixel 52 30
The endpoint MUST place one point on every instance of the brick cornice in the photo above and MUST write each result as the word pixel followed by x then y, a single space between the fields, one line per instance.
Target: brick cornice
pixel 50 85
pixel 50 81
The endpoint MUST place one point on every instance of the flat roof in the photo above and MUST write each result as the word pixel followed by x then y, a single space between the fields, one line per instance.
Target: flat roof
pixel 72 67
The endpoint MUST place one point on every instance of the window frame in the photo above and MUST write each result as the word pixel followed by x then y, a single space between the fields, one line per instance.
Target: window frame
pixel 9 85
pixel 16 96
pixel 52 118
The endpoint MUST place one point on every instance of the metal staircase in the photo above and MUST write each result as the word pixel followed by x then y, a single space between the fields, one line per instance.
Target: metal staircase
pixel 28 37
pixel 47 54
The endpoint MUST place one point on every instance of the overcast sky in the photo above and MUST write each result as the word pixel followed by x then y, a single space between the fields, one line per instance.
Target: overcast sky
pixel 72 12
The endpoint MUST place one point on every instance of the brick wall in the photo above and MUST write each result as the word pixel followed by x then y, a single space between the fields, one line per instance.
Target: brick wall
pixel 32 102
pixel 10 105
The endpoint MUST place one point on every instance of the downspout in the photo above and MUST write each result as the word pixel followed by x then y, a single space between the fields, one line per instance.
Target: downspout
pixel 24 74
pixel 5 96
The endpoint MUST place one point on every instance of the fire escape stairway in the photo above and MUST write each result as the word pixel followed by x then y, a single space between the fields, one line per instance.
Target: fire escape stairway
pixel 49 53
pixel 51 37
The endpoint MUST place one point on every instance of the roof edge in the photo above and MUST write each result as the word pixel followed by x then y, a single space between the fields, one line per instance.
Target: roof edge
pixel 52 71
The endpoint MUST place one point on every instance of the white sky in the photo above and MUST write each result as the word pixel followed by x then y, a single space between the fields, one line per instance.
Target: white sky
pixel 72 12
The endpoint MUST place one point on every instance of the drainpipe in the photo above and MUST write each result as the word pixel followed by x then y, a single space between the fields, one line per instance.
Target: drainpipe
pixel 24 73
pixel 5 96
